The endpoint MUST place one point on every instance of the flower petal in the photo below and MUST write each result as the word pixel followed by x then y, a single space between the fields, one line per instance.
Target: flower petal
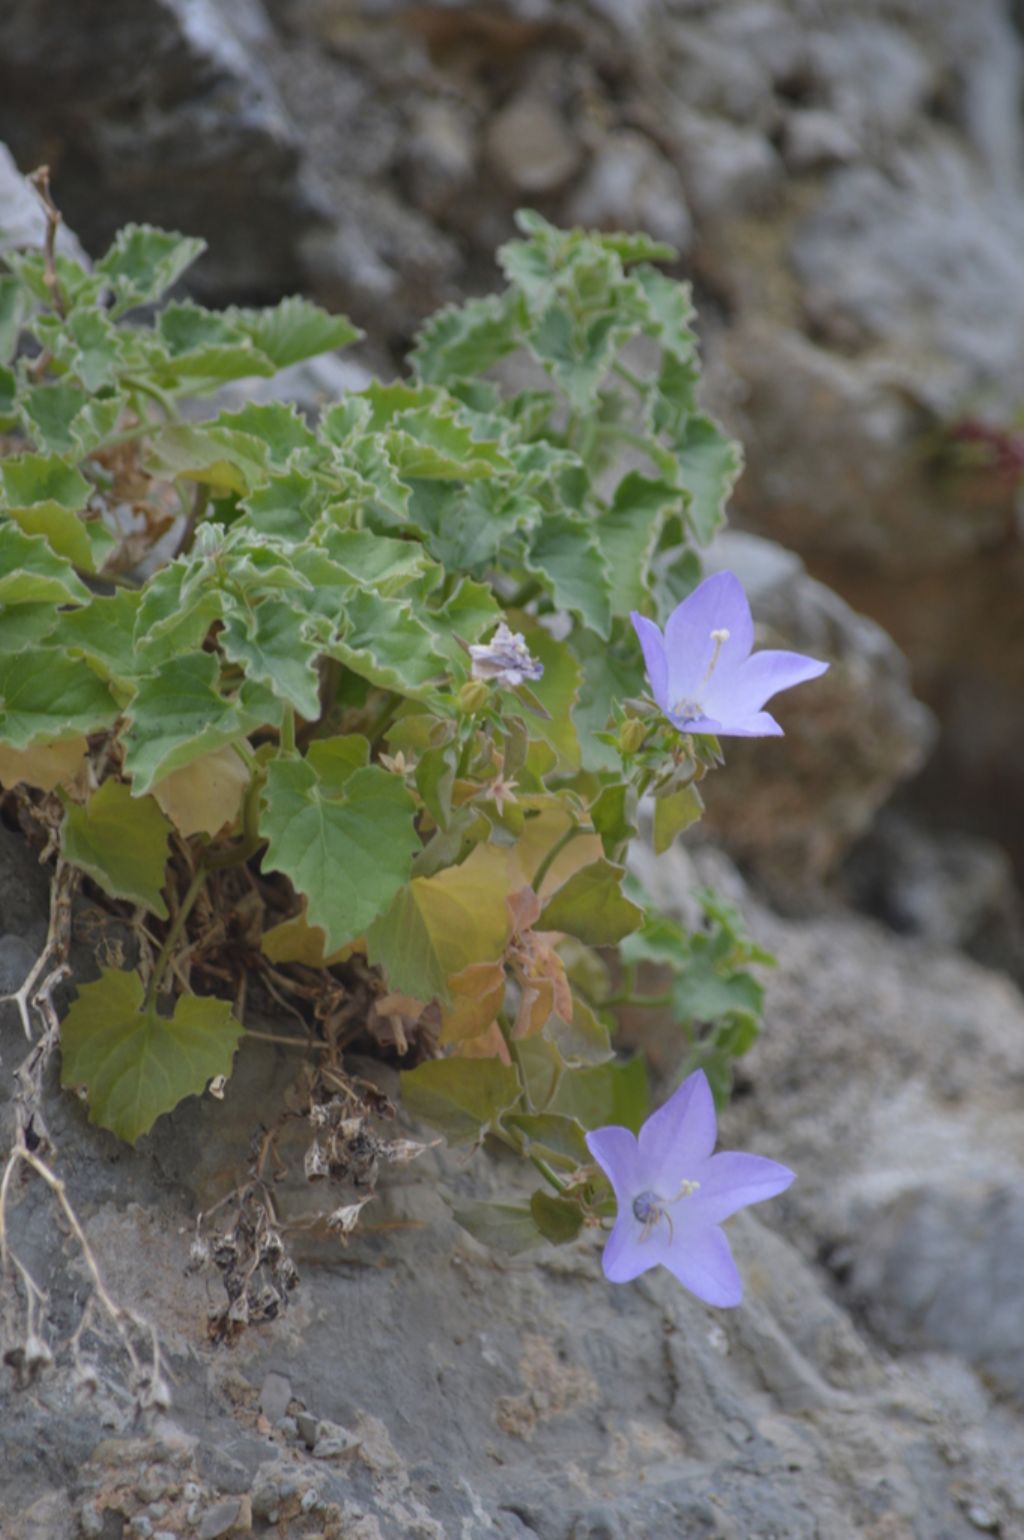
pixel 655 662
pixel 626 1256
pixel 615 1150
pixel 744 692
pixel 718 604
pixel 731 1181
pixel 760 725
pixel 703 1263
pixel 678 1138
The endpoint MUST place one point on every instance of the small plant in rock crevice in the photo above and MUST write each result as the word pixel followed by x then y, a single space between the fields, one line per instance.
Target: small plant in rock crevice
pixel 345 715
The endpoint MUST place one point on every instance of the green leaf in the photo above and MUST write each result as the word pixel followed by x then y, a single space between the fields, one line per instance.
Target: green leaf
pixel 294 330
pixel 276 424
pixel 287 505
pixel 670 309
pixel 558 1219
pixel 8 397
pixel 95 348
pixel 268 641
pixel 335 759
pixel 217 457
pixel 178 714
pixel 709 466
pixel 673 814
pixel 22 625
pixel 592 906
pixel 557 690
pixel 136 1064
pixel 44 695
pixel 506 1227
pixel 552 1135
pixel 32 478
pixel 385 643
pixel 376 561
pixel 63 531
pixel 103 632
pixel 465 340
pixel 430 444
pixel 584 1040
pixel 143 263
pixel 565 553
pixel 439 925
pixel 66 420
pixel 348 849
pixel 608 1093
pixel 628 531
pixel 613 814
pixel 122 841
pixel 460 1097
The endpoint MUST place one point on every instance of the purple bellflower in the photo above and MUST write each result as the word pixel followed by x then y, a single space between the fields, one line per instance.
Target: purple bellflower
pixel 673 1194
pixel 701 671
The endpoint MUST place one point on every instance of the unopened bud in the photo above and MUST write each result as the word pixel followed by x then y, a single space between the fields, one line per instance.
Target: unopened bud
pixel 472 697
pixel 631 735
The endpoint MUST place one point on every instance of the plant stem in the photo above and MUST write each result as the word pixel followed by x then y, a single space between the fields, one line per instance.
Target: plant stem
pixel 545 1170
pixel 556 850
pixel 195 513
pixel 173 936
pixel 147 388
pixel 288 731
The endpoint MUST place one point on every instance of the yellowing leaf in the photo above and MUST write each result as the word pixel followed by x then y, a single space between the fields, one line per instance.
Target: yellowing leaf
pixel 296 940
pixel 136 1064
pixel 539 834
pixel 592 906
pixel 122 842
pixel 203 796
pixel 440 925
pixel 477 995
pixel 45 765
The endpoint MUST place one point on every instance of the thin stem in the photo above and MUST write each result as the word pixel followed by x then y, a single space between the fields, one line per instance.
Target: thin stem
pixel 556 850
pixel 147 388
pixel 173 936
pixel 288 731
pixel 640 386
pixel 545 1170
pixel 287 1042
pixel 40 180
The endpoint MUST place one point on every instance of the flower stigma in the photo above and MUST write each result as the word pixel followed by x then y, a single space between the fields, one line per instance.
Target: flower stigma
pixel 650 1210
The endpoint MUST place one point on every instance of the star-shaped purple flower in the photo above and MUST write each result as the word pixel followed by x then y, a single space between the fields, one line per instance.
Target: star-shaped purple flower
pixel 673 1194
pixel 701 671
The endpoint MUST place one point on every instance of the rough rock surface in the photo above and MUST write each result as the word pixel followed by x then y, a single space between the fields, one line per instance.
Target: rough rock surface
pixel 419 1386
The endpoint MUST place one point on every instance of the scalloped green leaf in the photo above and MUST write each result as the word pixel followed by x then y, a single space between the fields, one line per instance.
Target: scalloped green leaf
pixel 464 340
pixel 293 330
pixel 178 714
pixel 143 263
pixel 347 848
pixel 136 1064
pixel 122 841
pixel 41 478
pixel 267 640
pixel 44 695
pixel 565 553
pixel 709 467
pixel 32 573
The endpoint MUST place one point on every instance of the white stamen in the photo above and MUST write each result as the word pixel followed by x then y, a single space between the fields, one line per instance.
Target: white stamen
pixel 720 636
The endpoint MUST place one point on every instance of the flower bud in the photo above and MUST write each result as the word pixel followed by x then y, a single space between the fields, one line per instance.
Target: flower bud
pixel 631 735
pixel 472 697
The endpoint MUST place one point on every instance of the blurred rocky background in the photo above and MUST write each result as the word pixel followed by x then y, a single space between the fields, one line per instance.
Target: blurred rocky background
pixel 844 181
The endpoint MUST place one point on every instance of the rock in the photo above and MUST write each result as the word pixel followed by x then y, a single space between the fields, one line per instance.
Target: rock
pixel 218 1520
pixel 531 146
pixel 22 219
pixel 813 139
pixel 851 736
pixel 275 1396
pixel 161 105
pixel 728 171
pixel 942 1268
pixel 629 185
pixel 951 889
